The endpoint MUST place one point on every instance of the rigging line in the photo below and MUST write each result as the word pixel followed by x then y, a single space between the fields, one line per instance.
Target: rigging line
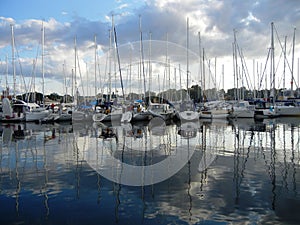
pixel 118 56
pixel 142 55
pixel 99 72
pixel 282 49
pixel 210 72
pixel 21 69
pixel 244 67
pixel 291 70
pixel 79 70
pixel 33 73
pixel 265 68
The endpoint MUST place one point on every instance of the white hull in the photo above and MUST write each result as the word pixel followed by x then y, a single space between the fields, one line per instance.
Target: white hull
pixel 101 117
pixel 188 115
pixel 8 114
pixel 62 117
pixel 78 116
pixel 32 116
pixel 265 113
pixel 214 114
pixel 242 113
pixel 287 110
pixel 126 117
pixel 242 109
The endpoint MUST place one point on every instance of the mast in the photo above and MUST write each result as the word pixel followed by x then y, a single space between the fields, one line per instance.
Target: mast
pixel 284 63
pixel 150 65
pixel 43 72
pixel 237 95
pixel 95 38
pixel 200 64
pixel 203 65
pixel 119 64
pixel 293 54
pixel 65 83
pixel 13 59
pixel 272 63
pixel 142 53
pixel 187 56
pixel 180 83
pixel 72 87
pixel 223 75
pixel 109 66
pixel 75 64
pixel 6 79
pixel 115 53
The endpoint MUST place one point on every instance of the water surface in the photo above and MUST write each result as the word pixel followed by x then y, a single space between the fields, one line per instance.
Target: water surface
pixel 214 172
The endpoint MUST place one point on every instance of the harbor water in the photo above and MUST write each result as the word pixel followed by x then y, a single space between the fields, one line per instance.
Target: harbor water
pixel 206 172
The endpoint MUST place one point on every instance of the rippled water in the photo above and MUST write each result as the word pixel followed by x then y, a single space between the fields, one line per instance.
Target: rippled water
pixel 211 172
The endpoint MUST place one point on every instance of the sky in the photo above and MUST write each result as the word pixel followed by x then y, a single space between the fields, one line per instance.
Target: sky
pixel 156 31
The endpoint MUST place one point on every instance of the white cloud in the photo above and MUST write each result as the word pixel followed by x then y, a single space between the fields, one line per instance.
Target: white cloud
pixel 215 20
pixel 5 20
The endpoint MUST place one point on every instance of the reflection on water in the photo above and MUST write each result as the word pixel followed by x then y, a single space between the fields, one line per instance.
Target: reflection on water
pixel 239 171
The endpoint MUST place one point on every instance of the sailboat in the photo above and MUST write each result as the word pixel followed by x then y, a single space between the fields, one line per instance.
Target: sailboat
pixel 33 111
pixel 187 109
pixel 162 110
pixel 20 110
pixel 108 109
pixel 217 109
pixel 11 113
pixel 267 109
pixel 240 108
pixel 63 112
pixel 289 107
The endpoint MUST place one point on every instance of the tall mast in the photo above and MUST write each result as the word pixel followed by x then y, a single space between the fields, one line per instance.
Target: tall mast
pixel 109 66
pixel 237 94
pixel 115 52
pixel 95 37
pixel 150 65
pixel 43 72
pixel 6 79
pixel 119 63
pixel 72 87
pixel 272 62
pixel 187 56
pixel 284 63
pixel 293 54
pixel 142 54
pixel 75 63
pixel 180 82
pixel 200 63
pixel 65 83
pixel 13 59
pixel 203 75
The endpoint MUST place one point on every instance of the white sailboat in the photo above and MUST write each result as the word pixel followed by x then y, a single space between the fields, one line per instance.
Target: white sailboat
pixel 162 110
pixel 11 114
pixel 267 109
pixel 240 108
pixel 187 110
pixel 33 112
pixel 289 108
pixel 109 110
pixel 215 110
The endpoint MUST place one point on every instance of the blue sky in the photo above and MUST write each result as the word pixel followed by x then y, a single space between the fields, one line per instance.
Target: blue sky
pixel 62 10
pixel 163 20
